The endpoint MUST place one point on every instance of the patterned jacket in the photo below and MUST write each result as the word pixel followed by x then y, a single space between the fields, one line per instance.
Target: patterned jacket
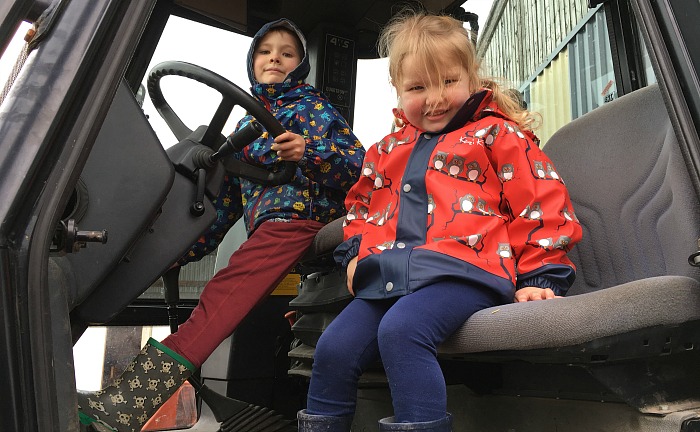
pixel 478 202
pixel 330 166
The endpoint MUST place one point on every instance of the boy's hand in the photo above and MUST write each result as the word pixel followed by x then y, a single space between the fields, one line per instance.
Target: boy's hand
pixel 352 265
pixel 534 293
pixel 289 146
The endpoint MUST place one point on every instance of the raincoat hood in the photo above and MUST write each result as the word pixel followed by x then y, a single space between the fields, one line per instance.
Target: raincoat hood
pixel 296 76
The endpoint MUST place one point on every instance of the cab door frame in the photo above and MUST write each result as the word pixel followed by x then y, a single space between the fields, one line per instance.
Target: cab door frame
pixel 48 124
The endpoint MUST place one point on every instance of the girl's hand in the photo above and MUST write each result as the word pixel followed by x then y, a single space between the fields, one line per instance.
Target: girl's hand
pixel 352 265
pixel 533 293
pixel 289 146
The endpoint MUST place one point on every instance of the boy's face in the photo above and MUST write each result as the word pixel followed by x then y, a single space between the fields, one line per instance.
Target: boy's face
pixel 276 55
pixel 428 103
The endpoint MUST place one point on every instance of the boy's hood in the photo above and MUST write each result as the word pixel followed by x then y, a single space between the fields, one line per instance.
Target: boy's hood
pixel 301 71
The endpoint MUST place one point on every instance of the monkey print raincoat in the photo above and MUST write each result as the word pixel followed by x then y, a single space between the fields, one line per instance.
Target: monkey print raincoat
pixel 478 202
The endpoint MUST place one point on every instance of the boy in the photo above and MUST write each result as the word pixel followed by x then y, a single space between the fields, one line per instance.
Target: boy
pixel 281 221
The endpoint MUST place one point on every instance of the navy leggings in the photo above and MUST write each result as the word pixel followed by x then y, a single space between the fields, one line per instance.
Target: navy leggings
pixel 406 332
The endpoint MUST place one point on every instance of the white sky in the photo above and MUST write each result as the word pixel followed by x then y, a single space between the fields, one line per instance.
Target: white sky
pixel 225 53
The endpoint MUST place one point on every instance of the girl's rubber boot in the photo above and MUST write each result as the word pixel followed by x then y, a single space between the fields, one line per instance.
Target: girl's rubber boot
pixel 149 380
pixel 318 423
pixel 442 425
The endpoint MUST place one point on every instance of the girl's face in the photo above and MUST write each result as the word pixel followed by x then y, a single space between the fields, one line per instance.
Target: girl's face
pixel 275 56
pixel 427 104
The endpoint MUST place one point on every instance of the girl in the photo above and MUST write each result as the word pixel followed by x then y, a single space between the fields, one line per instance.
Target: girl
pixel 456 212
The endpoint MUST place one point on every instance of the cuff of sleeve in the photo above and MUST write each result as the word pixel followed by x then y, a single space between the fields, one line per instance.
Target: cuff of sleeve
pixel 541 282
pixel 347 250
pixel 557 277
pixel 303 162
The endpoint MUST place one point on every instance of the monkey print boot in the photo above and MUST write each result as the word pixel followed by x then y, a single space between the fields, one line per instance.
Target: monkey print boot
pixel 149 380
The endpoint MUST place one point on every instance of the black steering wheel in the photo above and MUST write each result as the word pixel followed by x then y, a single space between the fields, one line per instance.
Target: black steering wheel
pixel 232 95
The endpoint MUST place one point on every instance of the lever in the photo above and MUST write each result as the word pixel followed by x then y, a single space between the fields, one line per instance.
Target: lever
pixel 171 291
pixel 197 208
pixel 240 139
pixel 73 239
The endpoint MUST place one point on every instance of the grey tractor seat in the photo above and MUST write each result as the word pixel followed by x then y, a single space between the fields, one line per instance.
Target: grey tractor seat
pixel 627 309
pixel 632 193
pixel 326 240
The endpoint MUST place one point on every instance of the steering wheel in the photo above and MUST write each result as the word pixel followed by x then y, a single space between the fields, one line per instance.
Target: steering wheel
pixel 232 95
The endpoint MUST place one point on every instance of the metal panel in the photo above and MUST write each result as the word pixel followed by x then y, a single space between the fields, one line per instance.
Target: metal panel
pixel 521 35
pixel 557 52
pixel 592 75
pixel 550 97
pixel 193 277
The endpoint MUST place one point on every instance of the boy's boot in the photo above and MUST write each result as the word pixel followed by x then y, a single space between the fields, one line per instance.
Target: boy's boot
pixel 318 423
pixel 149 380
pixel 442 425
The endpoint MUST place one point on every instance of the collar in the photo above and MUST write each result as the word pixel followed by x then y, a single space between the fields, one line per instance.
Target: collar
pixel 471 109
pixel 273 92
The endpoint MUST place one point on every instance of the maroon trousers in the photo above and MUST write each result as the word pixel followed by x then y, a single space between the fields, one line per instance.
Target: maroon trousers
pixel 253 272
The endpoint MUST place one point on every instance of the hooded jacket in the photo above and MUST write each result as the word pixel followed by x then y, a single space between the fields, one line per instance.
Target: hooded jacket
pixel 478 202
pixel 329 167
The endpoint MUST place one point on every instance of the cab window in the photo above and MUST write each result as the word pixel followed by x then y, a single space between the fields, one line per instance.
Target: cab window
pixel 561 77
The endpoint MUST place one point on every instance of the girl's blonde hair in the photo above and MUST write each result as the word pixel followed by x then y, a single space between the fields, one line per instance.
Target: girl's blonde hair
pixel 437 42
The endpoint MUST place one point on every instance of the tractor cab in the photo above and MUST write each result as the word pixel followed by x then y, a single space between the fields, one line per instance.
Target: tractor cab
pixel 115 128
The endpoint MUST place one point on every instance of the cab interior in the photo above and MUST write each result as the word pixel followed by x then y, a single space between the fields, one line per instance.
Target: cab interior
pixel 619 352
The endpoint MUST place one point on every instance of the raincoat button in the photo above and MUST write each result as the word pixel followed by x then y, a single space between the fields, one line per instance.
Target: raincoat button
pixel 389 286
pixel 400 245
pixel 407 188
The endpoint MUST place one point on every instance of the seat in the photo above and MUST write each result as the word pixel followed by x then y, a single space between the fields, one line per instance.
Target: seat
pixel 636 300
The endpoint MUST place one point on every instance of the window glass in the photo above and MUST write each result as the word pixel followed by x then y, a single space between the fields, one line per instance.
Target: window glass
pixel 646 64
pixel 9 59
pixel 561 76
pixel 592 77
pixel 218 50
pixel 374 99
pixel 102 353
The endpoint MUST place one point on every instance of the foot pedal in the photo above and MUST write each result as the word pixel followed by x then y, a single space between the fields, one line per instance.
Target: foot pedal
pixel 258 419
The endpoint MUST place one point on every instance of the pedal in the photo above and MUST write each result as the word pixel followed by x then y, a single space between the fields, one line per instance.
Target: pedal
pixel 258 419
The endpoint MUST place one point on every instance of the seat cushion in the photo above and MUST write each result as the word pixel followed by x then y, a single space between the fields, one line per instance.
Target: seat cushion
pixel 562 322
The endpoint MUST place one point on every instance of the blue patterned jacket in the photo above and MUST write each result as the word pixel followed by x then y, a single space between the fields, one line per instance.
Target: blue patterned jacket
pixel 330 166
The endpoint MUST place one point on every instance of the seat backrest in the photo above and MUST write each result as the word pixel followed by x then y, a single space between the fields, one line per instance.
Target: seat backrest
pixel 631 191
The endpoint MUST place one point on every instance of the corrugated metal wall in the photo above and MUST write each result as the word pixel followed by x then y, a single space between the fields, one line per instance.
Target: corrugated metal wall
pixel 193 277
pixel 578 80
pixel 591 73
pixel 550 97
pixel 556 52
pixel 520 35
